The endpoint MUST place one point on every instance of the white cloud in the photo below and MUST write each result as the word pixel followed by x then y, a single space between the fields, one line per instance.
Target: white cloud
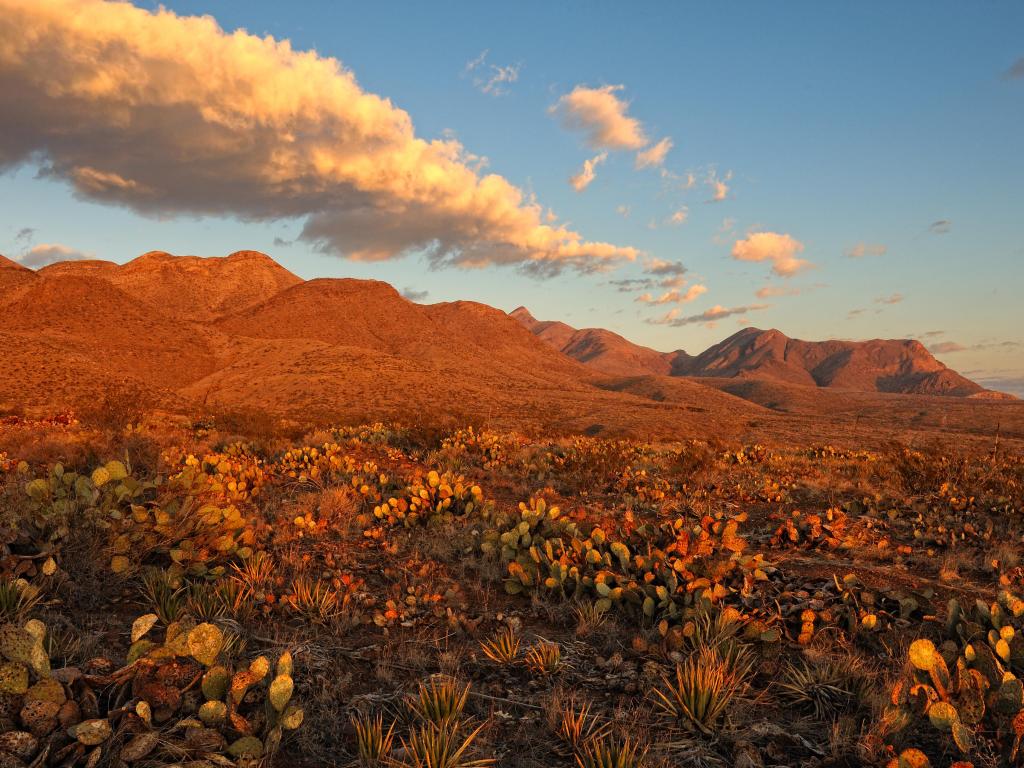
pixel 780 249
pixel 170 115
pixel 654 156
pixel 895 298
pixel 50 253
pixel 588 172
pixel 601 116
pixel 624 211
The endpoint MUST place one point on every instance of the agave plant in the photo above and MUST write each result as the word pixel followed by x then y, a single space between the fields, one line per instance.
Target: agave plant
pixel 433 746
pixel 607 752
pixel 828 688
pixel 440 701
pixel 16 600
pixel 577 728
pixel 167 600
pixel 503 648
pixel 372 741
pixel 544 658
pixel 704 686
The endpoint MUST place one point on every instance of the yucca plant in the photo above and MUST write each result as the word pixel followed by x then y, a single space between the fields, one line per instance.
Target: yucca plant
pixel 204 603
pixel 704 687
pixel 166 600
pixel 255 572
pixel 503 648
pixel 440 701
pixel 608 752
pixel 16 600
pixel 316 600
pixel 719 630
pixel 544 658
pixel 432 746
pixel 576 728
pixel 373 743
pixel 827 689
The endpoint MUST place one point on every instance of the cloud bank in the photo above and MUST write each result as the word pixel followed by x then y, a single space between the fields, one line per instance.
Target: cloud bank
pixel 167 114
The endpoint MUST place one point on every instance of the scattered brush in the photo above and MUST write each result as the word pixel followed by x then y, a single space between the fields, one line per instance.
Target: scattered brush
pixel 544 658
pixel 704 687
pixel 577 728
pixel 440 701
pixel 372 742
pixel 433 746
pixel 503 648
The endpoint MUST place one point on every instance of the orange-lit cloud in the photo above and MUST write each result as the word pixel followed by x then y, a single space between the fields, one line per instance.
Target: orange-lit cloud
pixel 588 172
pixel 169 114
pixel 719 185
pixel 780 249
pixel 601 116
pixel 674 296
pixel 654 156
pixel 678 216
pixel 709 316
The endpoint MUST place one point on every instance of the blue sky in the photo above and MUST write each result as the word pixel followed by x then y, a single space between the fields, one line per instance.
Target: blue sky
pixel 834 124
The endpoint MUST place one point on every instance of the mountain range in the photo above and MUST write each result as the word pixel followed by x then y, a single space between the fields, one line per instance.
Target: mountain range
pixel 242 330
pixel 901 366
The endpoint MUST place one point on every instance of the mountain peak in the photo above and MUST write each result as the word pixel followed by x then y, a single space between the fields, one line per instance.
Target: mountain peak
pixel 6 263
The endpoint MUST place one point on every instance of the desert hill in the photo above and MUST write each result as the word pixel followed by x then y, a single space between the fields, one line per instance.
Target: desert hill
pixel 602 350
pixel 900 366
pixel 241 331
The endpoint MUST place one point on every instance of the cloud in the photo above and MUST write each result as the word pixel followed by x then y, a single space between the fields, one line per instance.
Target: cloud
pixel 654 156
pixel 491 78
pixel 623 211
pixel 708 316
pixel 587 173
pixel 280 242
pixel 628 285
pixel 663 267
pixel 770 291
pixel 601 116
pixel 1016 70
pixel 50 253
pixel 856 312
pixel 940 227
pixel 25 235
pixel 674 296
pixel 719 187
pixel 413 295
pixel 1001 383
pixel 865 249
pixel 895 298
pixel 780 249
pixel 946 347
pixel 679 216
pixel 169 115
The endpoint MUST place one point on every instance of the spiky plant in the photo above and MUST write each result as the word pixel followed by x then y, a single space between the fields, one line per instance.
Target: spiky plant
pixel 432 746
pixel 203 602
pixel 609 752
pixel 255 572
pixel 166 600
pixel 544 658
pixel 576 728
pixel 705 685
pixel 315 599
pixel 828 688
pixel 440 701
pixel 503 648
pixel 589 617
pixel 373 743
pixel 16 600
pixel 718 629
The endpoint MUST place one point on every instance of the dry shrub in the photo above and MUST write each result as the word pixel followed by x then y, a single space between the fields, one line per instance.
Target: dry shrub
pixel 117 407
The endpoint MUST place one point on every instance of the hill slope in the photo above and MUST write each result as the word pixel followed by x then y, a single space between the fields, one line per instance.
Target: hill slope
pixel 893 366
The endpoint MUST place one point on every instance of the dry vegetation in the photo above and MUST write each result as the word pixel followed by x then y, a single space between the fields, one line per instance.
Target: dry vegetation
pixel 231 590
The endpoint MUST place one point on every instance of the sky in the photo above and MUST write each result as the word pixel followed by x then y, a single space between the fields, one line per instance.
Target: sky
pixel 670 171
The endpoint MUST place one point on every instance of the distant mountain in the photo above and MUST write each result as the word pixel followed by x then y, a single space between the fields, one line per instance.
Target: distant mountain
pixel 602 350
pixel 900 366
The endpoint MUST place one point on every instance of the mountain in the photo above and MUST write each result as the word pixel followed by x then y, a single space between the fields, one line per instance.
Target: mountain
pixel 190 287
pixel 901 366
pixel 602 350
pixel 13 275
